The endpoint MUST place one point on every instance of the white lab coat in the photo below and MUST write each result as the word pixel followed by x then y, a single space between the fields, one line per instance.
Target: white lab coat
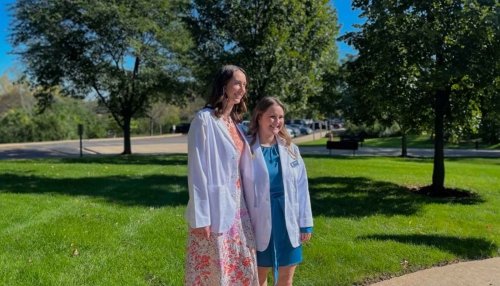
pixel 213 170
pixel 257 193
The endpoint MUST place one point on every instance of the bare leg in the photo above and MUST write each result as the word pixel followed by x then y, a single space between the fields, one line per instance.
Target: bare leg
pixel 286 275
pixel 263 275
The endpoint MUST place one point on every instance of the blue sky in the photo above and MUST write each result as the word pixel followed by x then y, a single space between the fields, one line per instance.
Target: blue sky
pixel 346 18
pixel 6 60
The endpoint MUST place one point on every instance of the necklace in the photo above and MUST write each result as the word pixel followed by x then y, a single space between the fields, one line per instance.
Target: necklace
pixel 228 121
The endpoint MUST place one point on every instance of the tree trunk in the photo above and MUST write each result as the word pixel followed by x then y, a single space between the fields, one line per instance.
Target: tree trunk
pixel 404 148
pixel 442 98
pixel 127 147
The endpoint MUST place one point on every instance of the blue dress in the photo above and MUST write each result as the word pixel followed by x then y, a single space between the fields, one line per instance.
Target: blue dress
pixel 280 251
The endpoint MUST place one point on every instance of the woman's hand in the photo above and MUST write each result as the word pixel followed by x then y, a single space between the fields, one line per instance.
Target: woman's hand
pixel 203 232
pixel 305 237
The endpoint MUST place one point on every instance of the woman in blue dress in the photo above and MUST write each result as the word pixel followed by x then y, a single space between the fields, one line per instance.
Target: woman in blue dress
pixel 277 194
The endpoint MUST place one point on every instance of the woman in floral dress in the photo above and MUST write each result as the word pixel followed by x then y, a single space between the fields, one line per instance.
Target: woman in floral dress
pixel 221 244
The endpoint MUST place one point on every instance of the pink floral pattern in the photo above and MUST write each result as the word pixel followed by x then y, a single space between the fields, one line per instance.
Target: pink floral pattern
pixel 226 258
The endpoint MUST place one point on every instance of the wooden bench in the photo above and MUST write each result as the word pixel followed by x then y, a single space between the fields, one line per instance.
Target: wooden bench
pixel 358 138
pixel 342 145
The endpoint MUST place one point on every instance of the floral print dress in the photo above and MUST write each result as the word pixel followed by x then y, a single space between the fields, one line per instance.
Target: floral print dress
pixel 227 258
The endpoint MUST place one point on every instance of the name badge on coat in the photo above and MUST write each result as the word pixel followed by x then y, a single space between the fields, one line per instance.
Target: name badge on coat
pixel 294 163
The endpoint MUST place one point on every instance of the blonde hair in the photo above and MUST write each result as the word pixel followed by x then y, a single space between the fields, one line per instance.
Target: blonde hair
pixel 260 109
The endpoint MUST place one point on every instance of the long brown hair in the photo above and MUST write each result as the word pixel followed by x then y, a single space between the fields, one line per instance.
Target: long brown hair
pixel 260 109
pixel 217 99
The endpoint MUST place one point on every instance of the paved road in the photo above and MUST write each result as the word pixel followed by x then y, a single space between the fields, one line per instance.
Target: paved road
pixel 412 152
pixel 176 143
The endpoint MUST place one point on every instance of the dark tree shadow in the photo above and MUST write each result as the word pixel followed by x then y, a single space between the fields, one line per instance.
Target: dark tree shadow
pixel 56 157
pixel 136 159
pixel 155 190
pixel 359 197
pixel 465 248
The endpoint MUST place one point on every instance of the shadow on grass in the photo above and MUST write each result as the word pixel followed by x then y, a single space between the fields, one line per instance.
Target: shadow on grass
pixel 164 160
pixel 359 197
pixel 155 190
pixel 466 248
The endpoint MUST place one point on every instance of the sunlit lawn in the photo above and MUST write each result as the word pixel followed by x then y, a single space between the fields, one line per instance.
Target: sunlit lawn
pixel 120 221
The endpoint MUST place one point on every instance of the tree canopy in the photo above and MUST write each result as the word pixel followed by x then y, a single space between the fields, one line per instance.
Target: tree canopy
pixel 286 47
pixel 417 57
pixel 124 52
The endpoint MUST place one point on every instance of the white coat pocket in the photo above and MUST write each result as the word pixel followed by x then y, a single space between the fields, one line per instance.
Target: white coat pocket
pixel 222 208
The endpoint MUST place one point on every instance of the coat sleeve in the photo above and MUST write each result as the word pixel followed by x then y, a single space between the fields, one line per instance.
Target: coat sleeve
pixel 246 170
pixel 198 208
pixel 305 213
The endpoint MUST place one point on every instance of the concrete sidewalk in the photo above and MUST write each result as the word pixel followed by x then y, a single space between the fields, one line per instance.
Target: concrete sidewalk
pixel 472 273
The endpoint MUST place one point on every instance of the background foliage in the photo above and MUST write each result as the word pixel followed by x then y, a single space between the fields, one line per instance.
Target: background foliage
pixel 287 47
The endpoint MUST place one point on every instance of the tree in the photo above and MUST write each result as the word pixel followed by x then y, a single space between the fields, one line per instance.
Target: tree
pixel 327 102
pixel 14 95
pixel 161 114
pixel 58 122
pixel 489 128
pixel 285 46
pixel 383 82
pixel 448 48
pixel 18 118
pixel 124 52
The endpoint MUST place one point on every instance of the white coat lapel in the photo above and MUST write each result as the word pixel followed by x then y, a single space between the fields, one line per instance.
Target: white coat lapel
pixel 259 157
pixel 284 158
pixel 261 175
pixel 222 126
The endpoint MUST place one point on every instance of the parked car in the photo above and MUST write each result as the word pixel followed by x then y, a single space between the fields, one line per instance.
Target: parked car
pixel 295 130
pixel 304 130
pixel 304 122
pixel 316 125
pixel 290 131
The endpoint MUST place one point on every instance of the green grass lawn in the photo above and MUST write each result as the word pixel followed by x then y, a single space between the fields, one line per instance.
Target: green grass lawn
pixel 414 141
pixel 120 221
